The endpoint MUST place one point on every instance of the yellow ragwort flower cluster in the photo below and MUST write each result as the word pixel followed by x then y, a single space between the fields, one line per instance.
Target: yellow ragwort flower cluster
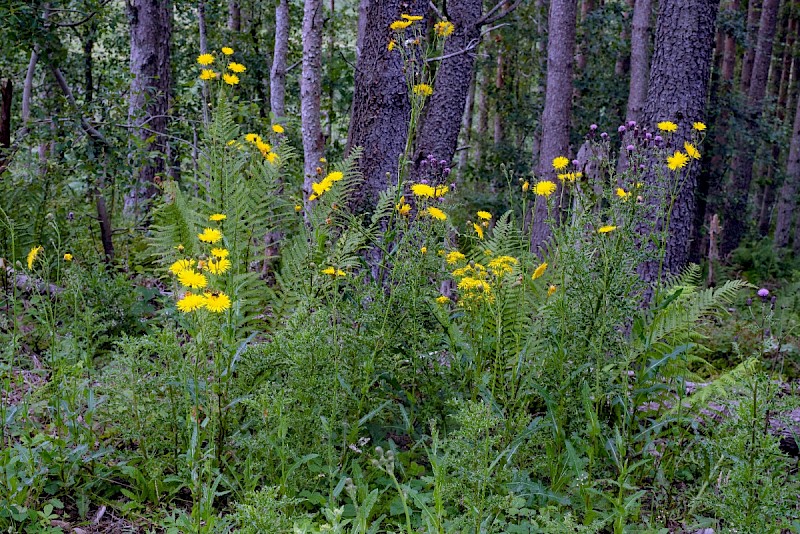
pixel 262 146
pixel 325 184
pixel 208 74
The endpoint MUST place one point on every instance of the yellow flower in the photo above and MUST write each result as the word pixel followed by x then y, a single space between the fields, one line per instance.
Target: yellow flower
pixel 525 186
pixel 334 176
pixel 488 252
pixel 677 161
pixel 478 230
pixel 252 138
pixel 272 157
pixel 404 209
pixel 667 126
pixel 423 89
pixel 180 266
pixel 67 257
pixel 191 302
pixel 277 128
pixel 205 59
pixel 217 301
pixel 218 265
pixel 237 68
pixel 391 45
pixel 545 188
pixel 621 193
pixel 298 208
pixel 539 271
pixel 220 252
pixel 441 190
pixel 400 25
pixel 699 126
pixel 423 250
pixel 210 235
pixel 485 215
pixel 691 151
pixel 332 271
pixel 454 257
pixel 192 279
pixel 227 51
pixel 218 217
pixel 423 190
pixel 412 18
pixel 550 290
pixel 230 79
pixel 444 28
pixel 263 147
pixel 560 163
pixel 33 254
pixel 442 300
pixel 570 176
pixel 606 229
pixel 436 213
pixel 503 264
pixel 207 74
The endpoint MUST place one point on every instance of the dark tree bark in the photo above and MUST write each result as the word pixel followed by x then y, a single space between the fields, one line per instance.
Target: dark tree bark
pixel 640 64
pixel 788 200
pixel 729 53
pixel 381 108
pixel 6 97
pixel 362 26
pixel 88 62
pixel 150 31
pixel 466 124
pixel 234 16
pixel 734 222
pixel 440 126
pixel 679 78
pixel 557 106
pixel 311 92
pixel 483 116
pixel 277 93
pixel 753 9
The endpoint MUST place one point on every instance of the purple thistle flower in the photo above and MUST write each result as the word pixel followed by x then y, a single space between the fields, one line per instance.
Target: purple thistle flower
pixel 593 127
pixel 630 148
pixel 763 292
pixel 621 129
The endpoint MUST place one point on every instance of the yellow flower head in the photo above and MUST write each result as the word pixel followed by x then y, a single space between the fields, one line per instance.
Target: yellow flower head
pixel 550 290
pixel 217 301
pixel 606 229
pixel 699 126
pixel 478 230
pixel 207 74
pixel 442 300
pixel 210 235
pixel 412 18
pixel 67 257
pixel 525 186
pixel 205 59
pixel 454 257
pixel 218 217
pixel 570 176
pixel 677 161
pixel 423 250
pixel 485 215
pixel 298 208
pixel 539 271
pixel 263 147
pixel 444 28
pixel 277 128
pixel 691 151
pixel 436 213
pixel 227 51
pixel 560 163
pixel 230 79
pixel 423 190
pixel 667 126
pixel 423 89
pixel 334 176
pixel 252 138
pixel 403 209
pixel 441 190
pixel 400 25
pixel 545 188
pixel 272 157
pixel 181 265
pixel 191 302
pixel 218 266
pixel 311 198
pixel 220 252
pixel 621 193
pixel 238 68
pixel 193 279
pixel 391 45
pixel 332 271
pixel 33 254
pixel 503 264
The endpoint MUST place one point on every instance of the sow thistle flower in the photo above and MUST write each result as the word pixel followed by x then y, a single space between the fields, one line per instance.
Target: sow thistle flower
pixel 478 230
pixel 606 229
pixel 67 257
pixel 539 271
pixel 230 79
pixel 208 74
pixel 560 163
pixel 423 89
pixel 217 301
pixel 545 188
pixel 502 265
pixel 525 186
pixel 485 215
pixel 210 235
pixel 699 126
pixel 193 279
pixel 228 51
pixel 621 193
pixel 667 126
pixel 691 151
pixel 33 255
pixel 218 266
pixel 191 302
pixel 238 68
pixel 402 207
pixel 423 190
pixel 218 217
pixel 205 59
pixel 442 300
pixel 444 28
pixel 332 271
pixel 325 185
pixel 412 18
pixel 391 45
pixel 454 257
pixel 252 138
pixel 180 266
pixel 220 252
pixel 400 25
pixel 436 213
pixel 677 161
pixel 277 128
pixel 441 190
pixel 570 176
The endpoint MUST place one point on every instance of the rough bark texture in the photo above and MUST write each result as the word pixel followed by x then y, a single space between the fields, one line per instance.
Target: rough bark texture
pixel 150 29
pixel 27 88
pixel 640 64
pixel 6 96
pixel 788 201
pixel 440 127
pixel 311 91
pixel 362 26
pixel 277 82
pixel 679 78
pixel 734 221
pixel 557 106
pixel 381 108
pixel 234 16
pixel 729 54
pixel 753 8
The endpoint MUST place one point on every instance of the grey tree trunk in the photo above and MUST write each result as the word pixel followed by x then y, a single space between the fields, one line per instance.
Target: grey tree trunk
pixel 678 92
pixel 788 199
pixel 277 82
pixel 753 8
pixel 440 127
pixel 729 54
pixel 557 107
pixel 311 91
pixel 381 108
pixel 640 64
pixel 466 125
pixel 362 26
pixel 734 224
pixel 483 116
pixel 234 16
pixel 150 31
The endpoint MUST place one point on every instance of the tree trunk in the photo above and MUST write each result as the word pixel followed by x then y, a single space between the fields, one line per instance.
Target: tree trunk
pixel 439 129
pixel 6 97
pixel 88 63
pixel 753 8
pixel 788 201
pixel 729 54
pixel 623 62
pixel 483 116
pixel 557 107
pixel 678 91
pixel 587 6
pixel 500 83
pixel 277 82
pixel 234 16
pixel 466 125
pixel 734 223
pixel 311 91
pixel 381 108
pixel 362 26
pixel 640 65
pixel 150 28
